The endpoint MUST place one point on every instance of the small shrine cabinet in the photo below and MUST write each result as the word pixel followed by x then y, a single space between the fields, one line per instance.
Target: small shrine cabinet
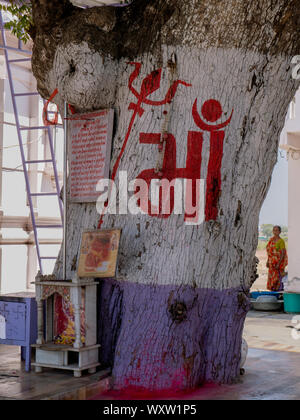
pixel 68 340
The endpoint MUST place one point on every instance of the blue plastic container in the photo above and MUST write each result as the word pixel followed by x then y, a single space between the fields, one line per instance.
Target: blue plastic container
pixel 254 295
pixel 291 302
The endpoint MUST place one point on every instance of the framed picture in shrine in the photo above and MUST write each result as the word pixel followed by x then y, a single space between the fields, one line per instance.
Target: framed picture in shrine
pixel 99 253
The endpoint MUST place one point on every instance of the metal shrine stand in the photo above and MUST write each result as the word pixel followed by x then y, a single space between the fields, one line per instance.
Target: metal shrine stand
pixel 82 295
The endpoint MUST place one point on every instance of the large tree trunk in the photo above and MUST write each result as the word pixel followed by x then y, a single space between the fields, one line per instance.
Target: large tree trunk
pixel 173 318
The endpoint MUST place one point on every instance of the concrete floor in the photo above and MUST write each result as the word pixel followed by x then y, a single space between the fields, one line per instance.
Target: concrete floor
pixel 16 384
pixel 273 331
pixel 269 375
pixel 272 370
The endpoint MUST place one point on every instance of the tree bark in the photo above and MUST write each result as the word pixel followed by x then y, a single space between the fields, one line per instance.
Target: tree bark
pixel 173 318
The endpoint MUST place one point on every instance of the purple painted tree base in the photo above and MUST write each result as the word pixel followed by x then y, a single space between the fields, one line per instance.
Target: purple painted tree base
pixel 110 298
pixel 171 337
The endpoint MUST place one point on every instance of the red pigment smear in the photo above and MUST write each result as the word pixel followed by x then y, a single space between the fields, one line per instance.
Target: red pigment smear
pixel 130 392
pixel 140 393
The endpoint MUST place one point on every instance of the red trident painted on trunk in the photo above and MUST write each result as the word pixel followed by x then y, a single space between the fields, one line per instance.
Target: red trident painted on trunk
pixel 212 111
pixel 150 84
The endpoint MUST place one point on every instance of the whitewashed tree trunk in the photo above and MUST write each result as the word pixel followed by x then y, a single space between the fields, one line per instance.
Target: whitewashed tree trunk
pixel 173 318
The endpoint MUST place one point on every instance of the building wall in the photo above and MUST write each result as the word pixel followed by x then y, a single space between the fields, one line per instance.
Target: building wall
pixel 18 262
pixel 290 141
pixel 13 275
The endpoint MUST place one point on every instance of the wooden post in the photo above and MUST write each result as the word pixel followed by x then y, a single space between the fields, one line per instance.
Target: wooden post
pixel 40 339
pixel 76 300
pixel 40 312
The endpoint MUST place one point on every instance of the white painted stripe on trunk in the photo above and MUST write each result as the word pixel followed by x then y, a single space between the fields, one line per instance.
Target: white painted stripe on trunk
pixel 218 254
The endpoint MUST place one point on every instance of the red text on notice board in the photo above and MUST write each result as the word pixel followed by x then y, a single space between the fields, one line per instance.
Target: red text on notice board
pixel 90 147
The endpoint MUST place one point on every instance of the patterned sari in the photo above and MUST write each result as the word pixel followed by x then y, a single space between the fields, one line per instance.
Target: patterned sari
pixel 274 250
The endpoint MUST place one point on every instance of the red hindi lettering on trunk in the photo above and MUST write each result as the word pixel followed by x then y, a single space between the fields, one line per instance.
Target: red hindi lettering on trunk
pixel 212 111
pixel 169 171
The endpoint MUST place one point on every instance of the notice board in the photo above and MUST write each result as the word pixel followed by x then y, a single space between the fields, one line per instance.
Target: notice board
pixel 90 136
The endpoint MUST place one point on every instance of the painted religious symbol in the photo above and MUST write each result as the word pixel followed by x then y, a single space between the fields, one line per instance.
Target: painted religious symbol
pixel 150 84
pixel 211 111
pixel 166 142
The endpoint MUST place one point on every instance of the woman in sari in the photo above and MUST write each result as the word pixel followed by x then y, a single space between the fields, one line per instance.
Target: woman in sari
pixel 277 260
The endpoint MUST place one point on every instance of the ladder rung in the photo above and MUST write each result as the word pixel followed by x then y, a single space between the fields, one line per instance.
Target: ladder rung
pixel 19 60
pixel 18 50
pixel 39 161
pixel 26 94
pixel 44 194
pixel 49 226
pixel 39 127
pixel 48 258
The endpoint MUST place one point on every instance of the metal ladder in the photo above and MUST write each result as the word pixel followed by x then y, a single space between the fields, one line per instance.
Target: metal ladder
pixel 25 162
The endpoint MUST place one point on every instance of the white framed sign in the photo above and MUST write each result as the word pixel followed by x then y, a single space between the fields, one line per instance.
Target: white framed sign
pixel 90 136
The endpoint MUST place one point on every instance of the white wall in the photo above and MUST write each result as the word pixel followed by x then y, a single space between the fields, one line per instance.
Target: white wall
pixel 14 267
pixel 290 141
